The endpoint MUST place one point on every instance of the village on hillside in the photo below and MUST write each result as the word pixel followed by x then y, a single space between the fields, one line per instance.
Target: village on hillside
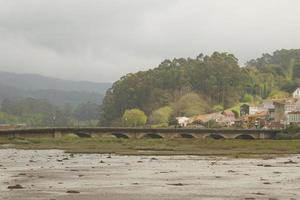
pixel 270 114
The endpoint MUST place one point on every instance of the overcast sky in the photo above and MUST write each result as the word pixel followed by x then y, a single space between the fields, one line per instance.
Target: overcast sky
pixel 101 40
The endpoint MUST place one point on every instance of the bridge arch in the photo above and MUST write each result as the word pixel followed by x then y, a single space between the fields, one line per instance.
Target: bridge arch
pixel 120 135
pixel 215 136
pixel 244 137
pixel 83 134
pixel 151 136
pixel 187 135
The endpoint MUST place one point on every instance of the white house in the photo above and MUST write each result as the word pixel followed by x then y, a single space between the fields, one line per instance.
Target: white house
pixel 296 94
pixel 183 121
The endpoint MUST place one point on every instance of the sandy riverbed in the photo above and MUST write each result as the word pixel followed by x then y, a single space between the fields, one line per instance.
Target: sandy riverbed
pixel 55 175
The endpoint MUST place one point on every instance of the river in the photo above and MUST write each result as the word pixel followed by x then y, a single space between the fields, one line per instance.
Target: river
pixel 55 175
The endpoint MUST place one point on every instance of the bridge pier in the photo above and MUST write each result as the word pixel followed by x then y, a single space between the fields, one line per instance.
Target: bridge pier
pixel 57 134
pixel 261 136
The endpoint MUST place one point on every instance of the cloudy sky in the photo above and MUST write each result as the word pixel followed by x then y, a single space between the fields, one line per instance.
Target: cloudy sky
pixel 101 40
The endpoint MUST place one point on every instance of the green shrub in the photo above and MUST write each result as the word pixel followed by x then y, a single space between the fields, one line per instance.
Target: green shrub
pixel 248 98
pixel 134 118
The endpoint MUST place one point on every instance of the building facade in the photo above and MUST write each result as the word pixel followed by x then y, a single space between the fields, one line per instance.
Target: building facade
pixel 293 117
pixel 283 108
pixel 296 94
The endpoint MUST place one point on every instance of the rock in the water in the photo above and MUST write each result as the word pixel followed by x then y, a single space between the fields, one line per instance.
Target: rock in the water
pixel 18 186
pixel 73 191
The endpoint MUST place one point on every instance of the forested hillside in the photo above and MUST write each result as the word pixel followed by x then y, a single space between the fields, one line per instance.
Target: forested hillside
pixel 36 100
pixel 279 71
pixel 200 85
pixel 39 112
pixel 56 91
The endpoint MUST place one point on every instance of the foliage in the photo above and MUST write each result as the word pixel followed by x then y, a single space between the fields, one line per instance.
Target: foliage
pixel 212 124
pixel 280 70
pixel 172 120
pixel 39 112
pixel 293 128
pixel 160 117
pixel 218 108
pixel 190 104
pixel 248 98
pixel 236 113
pixel 7 119
pixel 276 94
pixel 217 80
pixel 210 77
pixel 134 118
pixel 87 111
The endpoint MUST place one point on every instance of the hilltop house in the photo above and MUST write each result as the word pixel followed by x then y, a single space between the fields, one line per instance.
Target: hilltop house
pixel 247 109
pixel 296 94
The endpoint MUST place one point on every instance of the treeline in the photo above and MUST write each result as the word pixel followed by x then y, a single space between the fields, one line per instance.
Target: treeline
pixel 200 85
pixel 39 112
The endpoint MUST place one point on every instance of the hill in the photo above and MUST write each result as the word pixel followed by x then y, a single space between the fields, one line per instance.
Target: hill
pixel 203 84
pixel 56 91
pixel 39 82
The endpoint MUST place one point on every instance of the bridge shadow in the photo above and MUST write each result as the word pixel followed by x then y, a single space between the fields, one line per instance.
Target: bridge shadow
pixel 152 136
pixel 245 137
pixel 186 135
pixel 215 136
pixel 120 135
pixel 83 134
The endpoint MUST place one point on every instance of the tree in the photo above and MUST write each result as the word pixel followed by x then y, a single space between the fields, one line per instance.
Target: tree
pixel 161 116
pixel 87 111
pixel 248 98
pixel 134 118
pixel 7 119
pixel 217 79
pixel 218 108
pixel 189 105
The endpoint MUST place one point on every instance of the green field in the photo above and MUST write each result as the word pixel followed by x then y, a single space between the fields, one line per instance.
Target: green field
pixel 231 148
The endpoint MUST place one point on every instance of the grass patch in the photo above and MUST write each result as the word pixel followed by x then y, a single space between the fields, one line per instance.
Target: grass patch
pixel 232 148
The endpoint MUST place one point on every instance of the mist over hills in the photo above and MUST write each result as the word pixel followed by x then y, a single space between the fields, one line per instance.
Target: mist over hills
pixel 39 82
pixel 56 91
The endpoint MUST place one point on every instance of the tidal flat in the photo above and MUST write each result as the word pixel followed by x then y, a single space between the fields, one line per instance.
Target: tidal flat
pixel 57 175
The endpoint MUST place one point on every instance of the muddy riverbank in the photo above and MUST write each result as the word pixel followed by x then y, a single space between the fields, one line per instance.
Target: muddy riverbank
pixel 55 175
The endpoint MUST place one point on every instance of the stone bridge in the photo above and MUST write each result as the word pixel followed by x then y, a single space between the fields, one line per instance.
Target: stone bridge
pixel 140 133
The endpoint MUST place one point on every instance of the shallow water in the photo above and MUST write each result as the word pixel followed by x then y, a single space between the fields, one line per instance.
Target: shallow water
pixel 55 175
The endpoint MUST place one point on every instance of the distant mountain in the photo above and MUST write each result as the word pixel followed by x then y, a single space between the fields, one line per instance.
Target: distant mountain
pixel 56 91
pixel 39 82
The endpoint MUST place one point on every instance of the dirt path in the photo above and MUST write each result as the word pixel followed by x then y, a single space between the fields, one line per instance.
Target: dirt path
pixel 54 175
